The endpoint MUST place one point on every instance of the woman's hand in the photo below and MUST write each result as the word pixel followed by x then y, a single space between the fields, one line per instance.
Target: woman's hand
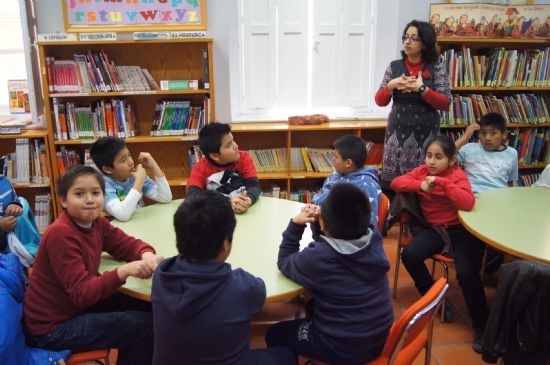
pixel 413 83
pixel 399 83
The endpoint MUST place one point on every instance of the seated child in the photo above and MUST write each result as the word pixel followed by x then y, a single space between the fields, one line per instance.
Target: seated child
pixel 68 304
pixel 489 164
pixel 17 217
pixel 350 155
pixel 202 307
pixel 125 182
pixel 224 168
pixel 443 188
pixel 10 209
pixel 346 274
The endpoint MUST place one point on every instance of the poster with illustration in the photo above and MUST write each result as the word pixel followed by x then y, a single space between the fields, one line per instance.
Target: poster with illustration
pixel 19 96
pixel 491 21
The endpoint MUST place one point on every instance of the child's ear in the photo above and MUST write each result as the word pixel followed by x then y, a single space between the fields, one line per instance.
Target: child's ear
pixel 214 156
pixel 107 170
pixel 323 227
pixel 63 200
pixel 452 160
pixel 349 163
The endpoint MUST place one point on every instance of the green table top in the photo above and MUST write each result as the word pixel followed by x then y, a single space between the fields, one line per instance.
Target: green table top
pixel 514 220
pixel 255 243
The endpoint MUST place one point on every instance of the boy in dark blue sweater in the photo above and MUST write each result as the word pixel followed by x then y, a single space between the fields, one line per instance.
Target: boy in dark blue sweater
pixel 345 272
pixel 201 307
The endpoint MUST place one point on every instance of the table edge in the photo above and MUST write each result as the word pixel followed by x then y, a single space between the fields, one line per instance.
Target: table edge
pixel 501 247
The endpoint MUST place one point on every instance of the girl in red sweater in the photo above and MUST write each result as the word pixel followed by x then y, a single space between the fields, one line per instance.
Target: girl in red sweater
pixel 443 189
pixel 68 304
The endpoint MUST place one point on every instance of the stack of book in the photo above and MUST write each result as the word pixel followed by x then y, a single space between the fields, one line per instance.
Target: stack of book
pixel 498 67
pixel 178 117
pixel 114 117
pixel 194 154
pixel 94 72
pixel 27 164
pixel 517 108
pixel 527 180
pixel 42 211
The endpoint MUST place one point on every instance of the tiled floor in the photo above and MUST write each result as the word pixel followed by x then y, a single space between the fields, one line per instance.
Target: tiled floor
pixel 451 342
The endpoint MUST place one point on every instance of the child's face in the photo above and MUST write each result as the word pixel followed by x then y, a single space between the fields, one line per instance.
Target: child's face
pixel 84 200
pixel 123 165
pixel 341 166
pixel 436 160
pixel 491 138
pixel 229 151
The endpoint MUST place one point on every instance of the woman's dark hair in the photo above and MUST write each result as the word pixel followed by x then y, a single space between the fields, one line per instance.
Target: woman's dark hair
pixel 202 223
pixel 446 143
pixel 346 212
pixel 427 34
pixel 72 173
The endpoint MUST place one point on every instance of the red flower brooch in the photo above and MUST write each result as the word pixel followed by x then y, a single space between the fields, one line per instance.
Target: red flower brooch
pixel 426 74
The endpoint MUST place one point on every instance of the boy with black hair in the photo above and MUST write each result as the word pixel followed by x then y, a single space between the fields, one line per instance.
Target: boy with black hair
pixel 69 304
pixel 125 182
pixel 345 272
pixel 202 307
pixel 350 155
pixel 224 168
pixel 489 164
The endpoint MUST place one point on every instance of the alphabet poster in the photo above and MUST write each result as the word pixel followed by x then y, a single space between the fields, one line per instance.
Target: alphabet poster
pixel 133 15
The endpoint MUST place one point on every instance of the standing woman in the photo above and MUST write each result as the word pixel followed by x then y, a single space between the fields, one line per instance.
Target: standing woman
pixel 419 86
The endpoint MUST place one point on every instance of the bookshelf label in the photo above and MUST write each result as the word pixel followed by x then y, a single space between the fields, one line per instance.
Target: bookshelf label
pixel 56 37
pixel 111 36
pixel 183 34
pixel 141 36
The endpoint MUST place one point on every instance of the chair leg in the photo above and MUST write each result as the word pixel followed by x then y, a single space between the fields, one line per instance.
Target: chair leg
pixel 396 274
pixel 446 275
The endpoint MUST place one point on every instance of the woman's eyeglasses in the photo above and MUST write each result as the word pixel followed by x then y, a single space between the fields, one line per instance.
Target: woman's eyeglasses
pixel 413 38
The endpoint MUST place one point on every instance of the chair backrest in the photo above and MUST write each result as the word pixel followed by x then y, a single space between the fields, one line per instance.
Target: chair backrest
pixel 411 323
pixel 383 209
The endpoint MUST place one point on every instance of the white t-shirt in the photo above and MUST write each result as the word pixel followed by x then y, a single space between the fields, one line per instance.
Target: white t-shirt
pixel 488 169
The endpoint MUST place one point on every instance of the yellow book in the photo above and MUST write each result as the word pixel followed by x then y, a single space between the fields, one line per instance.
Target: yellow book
pixel 306 159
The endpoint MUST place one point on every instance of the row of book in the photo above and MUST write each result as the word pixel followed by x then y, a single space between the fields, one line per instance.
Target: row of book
pixel 194 154
pixel 114 117
pixel 178 117
pixel 42 211
pixel 67 157
pixel 527 180
pixel 532 144
pixel 27 164
pixel 94 72
pixel 302 195
pixel 498 67
pixel 517 108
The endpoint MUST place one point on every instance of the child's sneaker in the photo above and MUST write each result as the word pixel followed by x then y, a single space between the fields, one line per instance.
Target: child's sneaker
pixel 448 313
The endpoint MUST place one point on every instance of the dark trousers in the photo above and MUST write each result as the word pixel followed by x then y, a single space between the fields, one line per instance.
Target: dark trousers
pixel 119 322
pixel 468 255
pixel 303 338
pixel 270 356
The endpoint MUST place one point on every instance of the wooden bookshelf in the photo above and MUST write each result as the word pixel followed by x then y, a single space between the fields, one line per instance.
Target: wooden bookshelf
pixel 478 46
pixel 170 59
pixel 268 135
pixel 31 190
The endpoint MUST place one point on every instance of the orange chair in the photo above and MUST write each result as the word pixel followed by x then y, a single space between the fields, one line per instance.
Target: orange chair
pixel 407 336
pixel 97 356
pixel 403 239
pixel 383 210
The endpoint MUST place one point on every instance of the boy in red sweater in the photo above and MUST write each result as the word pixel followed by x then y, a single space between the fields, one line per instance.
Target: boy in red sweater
pixel 68 304
pixel 443 188
pixel 224 168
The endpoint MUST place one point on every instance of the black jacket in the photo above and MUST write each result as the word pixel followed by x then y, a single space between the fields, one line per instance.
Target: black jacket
pixel 518 327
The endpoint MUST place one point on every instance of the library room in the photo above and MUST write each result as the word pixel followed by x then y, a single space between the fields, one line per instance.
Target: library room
pixel 380 168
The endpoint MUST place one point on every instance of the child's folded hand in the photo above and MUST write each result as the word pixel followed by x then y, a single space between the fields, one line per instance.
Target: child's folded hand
pixel 137 269
pixel 146 159
pixel 307 215
pixel 14 210
pixel 152 260
pixel 7 224
pixel 140 173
